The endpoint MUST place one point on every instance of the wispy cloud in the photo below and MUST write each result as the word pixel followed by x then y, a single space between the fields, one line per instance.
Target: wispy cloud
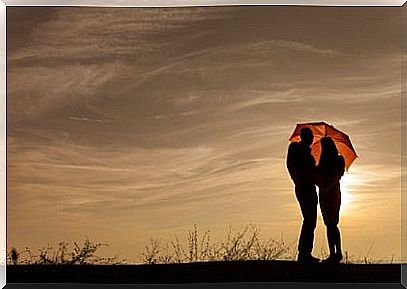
pixel 85 118
pixel 269 45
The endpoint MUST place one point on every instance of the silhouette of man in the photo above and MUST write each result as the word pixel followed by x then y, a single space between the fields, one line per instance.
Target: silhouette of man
pixel 301 166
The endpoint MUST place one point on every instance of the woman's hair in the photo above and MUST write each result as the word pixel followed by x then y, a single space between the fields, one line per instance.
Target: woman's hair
pixel 328 150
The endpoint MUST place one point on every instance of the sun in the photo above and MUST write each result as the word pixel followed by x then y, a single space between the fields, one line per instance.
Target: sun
pixel 348 183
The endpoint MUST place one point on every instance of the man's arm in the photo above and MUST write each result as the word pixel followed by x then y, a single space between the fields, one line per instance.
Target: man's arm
pixel 292 161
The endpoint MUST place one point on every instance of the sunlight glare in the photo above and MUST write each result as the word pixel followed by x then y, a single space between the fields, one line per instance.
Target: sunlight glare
pixel 347 184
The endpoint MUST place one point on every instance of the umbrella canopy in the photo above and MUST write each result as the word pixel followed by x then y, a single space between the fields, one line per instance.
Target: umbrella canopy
pixel 321 129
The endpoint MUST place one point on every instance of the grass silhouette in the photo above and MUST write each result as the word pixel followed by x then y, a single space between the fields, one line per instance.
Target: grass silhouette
pixel 239 245
pixel 245 244
pixel 64 254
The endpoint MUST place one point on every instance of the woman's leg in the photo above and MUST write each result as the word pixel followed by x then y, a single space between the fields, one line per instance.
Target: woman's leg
pixel 337 232
pixel 337 241
pixel 330 212
pixel 324 204
pixel 331 235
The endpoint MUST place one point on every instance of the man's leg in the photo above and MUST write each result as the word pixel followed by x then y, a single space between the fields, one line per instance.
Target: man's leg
pixel 308 204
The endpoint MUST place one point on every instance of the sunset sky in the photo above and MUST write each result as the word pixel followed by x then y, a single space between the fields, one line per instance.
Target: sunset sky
pixel 130 123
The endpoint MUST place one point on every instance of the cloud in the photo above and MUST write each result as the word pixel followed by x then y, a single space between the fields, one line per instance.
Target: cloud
pixel 270 45
pixel 79 33
pixel 85 118
pixel 40 90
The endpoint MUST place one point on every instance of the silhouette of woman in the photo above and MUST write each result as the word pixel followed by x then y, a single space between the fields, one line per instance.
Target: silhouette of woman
pixel 329 171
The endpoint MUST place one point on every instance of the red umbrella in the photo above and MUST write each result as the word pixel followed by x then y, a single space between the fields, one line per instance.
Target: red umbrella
pixel 321 129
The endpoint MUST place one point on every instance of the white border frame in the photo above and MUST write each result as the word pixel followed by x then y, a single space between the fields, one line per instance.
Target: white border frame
pixel 3 139
pixel 118 3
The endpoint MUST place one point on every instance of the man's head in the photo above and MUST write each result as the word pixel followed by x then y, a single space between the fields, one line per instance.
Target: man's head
pixel 306 135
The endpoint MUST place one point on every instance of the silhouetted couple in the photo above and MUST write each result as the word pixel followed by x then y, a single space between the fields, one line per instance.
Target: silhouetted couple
pixel 306 175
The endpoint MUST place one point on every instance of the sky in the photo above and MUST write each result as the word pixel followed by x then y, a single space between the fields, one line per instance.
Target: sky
pixel 125 124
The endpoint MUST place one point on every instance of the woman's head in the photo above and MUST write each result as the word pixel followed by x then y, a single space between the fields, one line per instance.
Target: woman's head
pixel 328 148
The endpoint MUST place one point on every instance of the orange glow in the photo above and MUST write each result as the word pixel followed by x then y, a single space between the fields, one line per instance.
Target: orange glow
pixel 348 183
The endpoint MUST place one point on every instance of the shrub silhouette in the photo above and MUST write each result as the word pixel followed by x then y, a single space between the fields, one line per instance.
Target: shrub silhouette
pixel 63 255
pixel 14 255
pixel 245 244
pixel 241 245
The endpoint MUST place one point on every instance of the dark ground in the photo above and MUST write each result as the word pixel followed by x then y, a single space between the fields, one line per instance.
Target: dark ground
pixel 206 272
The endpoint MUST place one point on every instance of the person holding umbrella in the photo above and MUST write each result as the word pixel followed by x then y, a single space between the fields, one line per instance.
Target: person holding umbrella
pixel 330 169
pixel 301 166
